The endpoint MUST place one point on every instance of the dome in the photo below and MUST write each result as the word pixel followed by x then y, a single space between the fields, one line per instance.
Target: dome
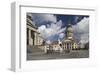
pixel 70 29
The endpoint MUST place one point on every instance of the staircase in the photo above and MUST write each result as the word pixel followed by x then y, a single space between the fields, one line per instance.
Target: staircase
pixel 34 50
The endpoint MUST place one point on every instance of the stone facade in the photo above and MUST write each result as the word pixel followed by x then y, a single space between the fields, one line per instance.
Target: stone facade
pixel 69 43
pixel 33 36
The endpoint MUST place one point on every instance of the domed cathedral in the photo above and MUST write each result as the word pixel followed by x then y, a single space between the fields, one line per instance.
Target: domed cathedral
pixel 69 32
pixel 69 42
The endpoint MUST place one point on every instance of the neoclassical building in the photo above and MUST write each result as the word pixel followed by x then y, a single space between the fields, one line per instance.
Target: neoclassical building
pixel 69 42
pixel 33 36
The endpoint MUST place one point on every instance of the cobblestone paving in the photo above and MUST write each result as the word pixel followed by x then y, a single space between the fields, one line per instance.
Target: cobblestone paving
pixel 72 54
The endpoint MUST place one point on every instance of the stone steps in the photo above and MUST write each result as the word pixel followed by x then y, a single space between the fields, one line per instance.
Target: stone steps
pixel 34 49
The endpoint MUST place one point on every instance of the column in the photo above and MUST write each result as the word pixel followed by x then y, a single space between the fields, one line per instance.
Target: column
pixel 29 37
pixel 35 39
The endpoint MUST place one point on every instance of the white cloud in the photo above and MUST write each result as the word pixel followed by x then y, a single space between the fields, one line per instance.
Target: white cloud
pixel 48 42
pixel 81 30
pixel 52 30
pixel 76 18
pixel 40 18
pixel 61 35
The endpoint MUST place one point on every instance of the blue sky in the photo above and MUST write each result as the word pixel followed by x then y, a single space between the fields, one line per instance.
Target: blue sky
pixel 53 26
pixel 70 19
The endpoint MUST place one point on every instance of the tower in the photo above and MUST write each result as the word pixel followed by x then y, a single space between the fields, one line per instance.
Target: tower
pixel 69 32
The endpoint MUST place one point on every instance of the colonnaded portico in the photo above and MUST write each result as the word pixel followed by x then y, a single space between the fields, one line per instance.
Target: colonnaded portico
pixel 33 36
